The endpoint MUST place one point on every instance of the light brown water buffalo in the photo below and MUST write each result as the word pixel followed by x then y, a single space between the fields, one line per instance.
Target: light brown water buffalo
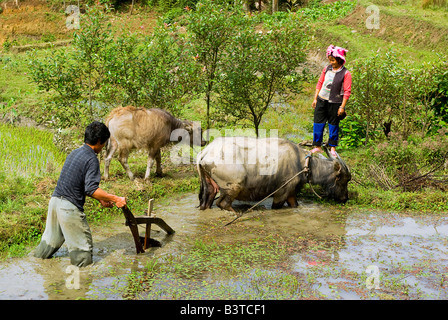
pixel 250 169
pixel 148 129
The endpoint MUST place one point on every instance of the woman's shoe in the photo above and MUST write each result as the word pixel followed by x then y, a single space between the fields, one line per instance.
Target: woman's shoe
pixel 333 153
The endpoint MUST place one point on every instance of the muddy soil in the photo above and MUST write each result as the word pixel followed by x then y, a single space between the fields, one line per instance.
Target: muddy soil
pixel 376 255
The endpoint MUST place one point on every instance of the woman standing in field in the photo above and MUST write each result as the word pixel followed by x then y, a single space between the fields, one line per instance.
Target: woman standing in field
pixel 332 93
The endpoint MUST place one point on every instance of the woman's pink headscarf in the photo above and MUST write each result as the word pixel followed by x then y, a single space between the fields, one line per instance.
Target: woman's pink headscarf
pixel 336 52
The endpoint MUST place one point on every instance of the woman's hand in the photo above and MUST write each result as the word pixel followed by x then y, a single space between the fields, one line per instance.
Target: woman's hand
pixel 314 103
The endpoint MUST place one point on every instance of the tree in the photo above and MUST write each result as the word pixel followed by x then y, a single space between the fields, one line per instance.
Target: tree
pixel 91 43
pixel 210 27
pixel 102 70
pixel 262 61
pixel 156 71
pixel 73 76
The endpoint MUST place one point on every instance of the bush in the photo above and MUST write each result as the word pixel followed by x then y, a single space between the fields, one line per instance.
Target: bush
pixel 74 76
pixel 390 97
pixel 412 163
pixel 353 131
pixel 376 90
pixel 261 63
pixel 439 97
pixel 103 70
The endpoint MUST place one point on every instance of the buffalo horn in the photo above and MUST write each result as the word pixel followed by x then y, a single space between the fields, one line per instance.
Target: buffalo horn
pixel 338 158
pixel 329 155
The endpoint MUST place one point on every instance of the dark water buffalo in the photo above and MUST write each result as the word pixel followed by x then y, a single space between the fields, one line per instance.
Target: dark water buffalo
pixel 244 168
pixel 148 129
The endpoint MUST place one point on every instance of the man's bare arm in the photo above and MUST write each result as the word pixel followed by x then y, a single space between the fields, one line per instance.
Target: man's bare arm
pixel 105 198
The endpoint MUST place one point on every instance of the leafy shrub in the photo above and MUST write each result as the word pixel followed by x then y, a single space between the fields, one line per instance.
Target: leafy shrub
pixel 375 90
pixel 316 10
pixel 411 163
pixel 391 97
pixel 439 96
pixel 353 131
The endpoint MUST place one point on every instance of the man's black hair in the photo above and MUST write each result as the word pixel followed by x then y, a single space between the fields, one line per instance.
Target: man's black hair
pixel 96 131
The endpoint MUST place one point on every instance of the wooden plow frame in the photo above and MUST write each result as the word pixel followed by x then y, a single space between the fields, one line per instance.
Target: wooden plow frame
pixel 143 243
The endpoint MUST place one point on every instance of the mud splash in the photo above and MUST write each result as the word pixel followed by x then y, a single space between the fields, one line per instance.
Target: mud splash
pixel 376 256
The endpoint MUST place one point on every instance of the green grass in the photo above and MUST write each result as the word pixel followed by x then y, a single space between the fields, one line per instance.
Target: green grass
pixel 18 94
pixel 208 270
pixel 28 152
pixel 437 16
pixel 20 226
pixel 207 255
pixel 426 201
pixel 28 155
pixel 362 46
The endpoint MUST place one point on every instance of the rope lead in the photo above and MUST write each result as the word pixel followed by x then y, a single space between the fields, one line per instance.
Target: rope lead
pixel 306 169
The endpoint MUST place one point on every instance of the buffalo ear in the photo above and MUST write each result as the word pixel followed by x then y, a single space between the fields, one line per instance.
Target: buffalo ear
pixel 189 127
pixel 337 168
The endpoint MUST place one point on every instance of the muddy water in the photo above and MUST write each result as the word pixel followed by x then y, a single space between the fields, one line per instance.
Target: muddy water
pixel 401 257
pixel 377 255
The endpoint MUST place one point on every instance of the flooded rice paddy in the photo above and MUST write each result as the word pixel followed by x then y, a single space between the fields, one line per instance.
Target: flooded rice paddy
pixel 310 252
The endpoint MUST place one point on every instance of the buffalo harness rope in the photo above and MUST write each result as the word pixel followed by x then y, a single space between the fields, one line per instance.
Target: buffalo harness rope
pixel 306 169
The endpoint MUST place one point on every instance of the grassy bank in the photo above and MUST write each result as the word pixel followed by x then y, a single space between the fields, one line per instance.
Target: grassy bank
pixel 417 33
pixel 29 160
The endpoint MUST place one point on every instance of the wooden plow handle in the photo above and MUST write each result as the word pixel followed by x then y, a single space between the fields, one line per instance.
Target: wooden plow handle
pixel 132 223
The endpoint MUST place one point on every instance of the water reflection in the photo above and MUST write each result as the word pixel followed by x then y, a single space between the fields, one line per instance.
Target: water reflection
pixel 409 252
